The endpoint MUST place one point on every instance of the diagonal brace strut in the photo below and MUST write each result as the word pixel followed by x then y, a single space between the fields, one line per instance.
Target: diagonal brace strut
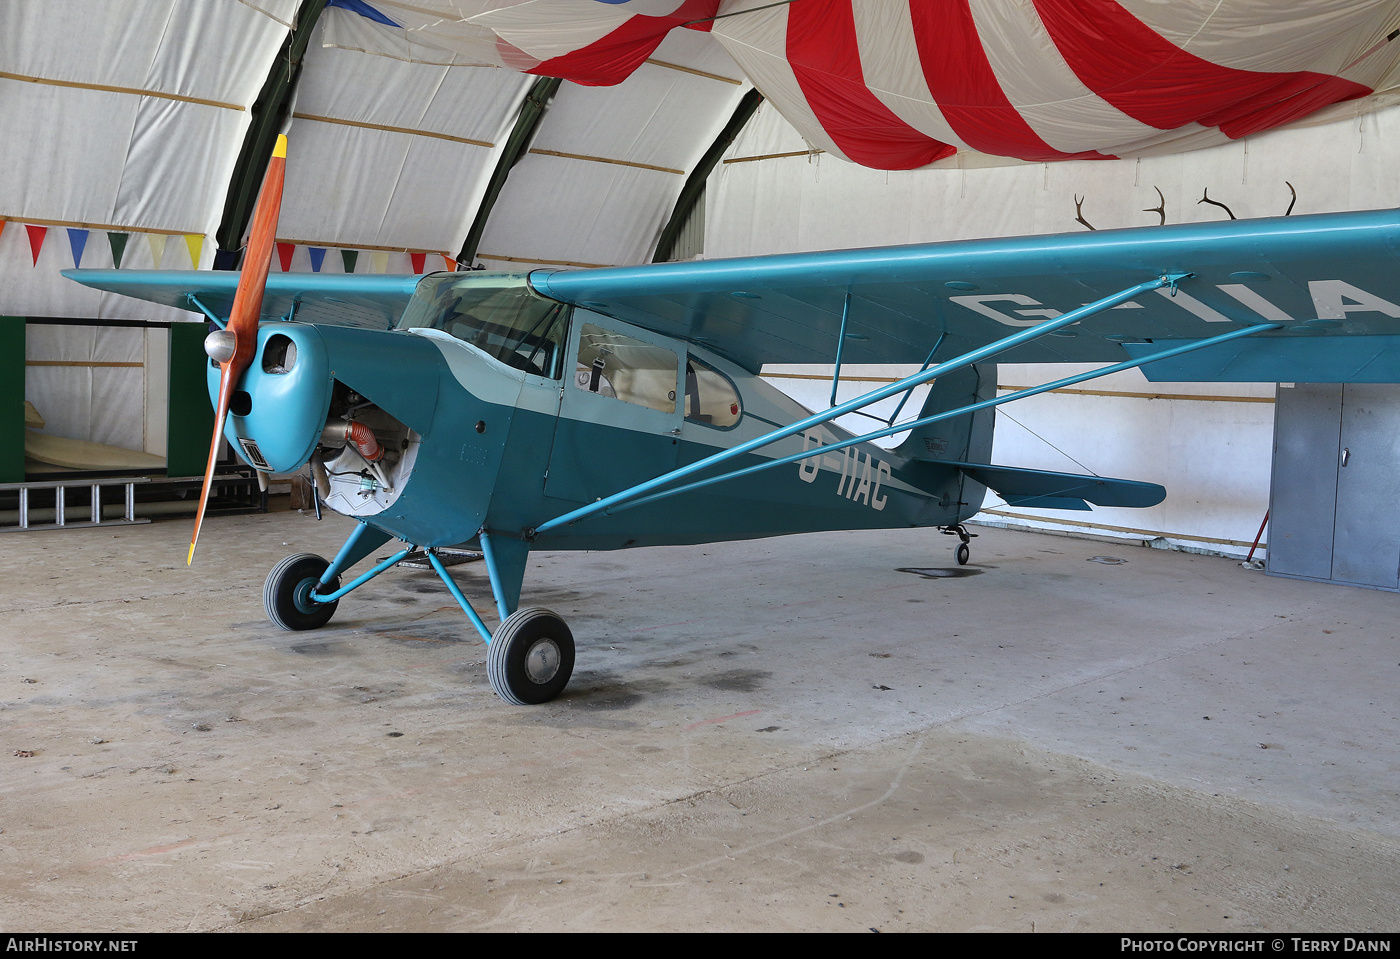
pixel 950 414
pixel 967 359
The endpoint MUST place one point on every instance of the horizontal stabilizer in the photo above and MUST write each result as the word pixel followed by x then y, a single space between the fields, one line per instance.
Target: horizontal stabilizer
pixel 1048 490
pixel 370 301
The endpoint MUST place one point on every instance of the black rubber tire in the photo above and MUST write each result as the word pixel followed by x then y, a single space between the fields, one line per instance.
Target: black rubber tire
pixel 298 573
pixel 520 663
pixel 964 554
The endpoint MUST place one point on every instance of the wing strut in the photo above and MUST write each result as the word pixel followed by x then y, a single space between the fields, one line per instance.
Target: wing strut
pixel 950 414
pixel 967 359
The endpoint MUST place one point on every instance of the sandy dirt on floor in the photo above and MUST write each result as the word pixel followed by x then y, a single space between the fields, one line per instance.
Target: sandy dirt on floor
pixel 173 762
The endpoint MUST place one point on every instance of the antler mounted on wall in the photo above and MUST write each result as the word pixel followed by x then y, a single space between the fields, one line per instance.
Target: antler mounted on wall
pixel 1079 211
pixel 1205 198
pixel 1160 209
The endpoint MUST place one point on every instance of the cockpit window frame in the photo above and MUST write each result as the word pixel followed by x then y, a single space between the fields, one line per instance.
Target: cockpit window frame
pixel 444 302
pixel 692 360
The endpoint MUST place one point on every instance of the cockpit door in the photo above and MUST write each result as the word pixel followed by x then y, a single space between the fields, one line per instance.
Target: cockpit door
pixel 620 411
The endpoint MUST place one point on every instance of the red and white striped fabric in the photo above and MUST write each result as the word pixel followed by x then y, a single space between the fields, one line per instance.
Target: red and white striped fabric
pixel 592 42
pixel 899 84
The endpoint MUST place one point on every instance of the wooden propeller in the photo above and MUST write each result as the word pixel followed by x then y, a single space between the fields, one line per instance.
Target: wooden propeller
pixel 235 345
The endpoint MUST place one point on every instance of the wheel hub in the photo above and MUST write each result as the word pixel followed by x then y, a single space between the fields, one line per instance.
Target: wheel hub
pixel 542 661
pixel 301 597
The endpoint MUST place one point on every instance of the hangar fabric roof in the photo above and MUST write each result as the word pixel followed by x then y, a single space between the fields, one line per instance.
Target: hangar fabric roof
pixel 141 119
pixel 898 84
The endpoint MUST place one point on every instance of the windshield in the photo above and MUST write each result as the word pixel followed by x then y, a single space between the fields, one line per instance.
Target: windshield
pixel 496 312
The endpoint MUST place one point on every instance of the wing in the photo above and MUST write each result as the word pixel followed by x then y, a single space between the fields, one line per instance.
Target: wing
pixel 371 301
pixel 1323 276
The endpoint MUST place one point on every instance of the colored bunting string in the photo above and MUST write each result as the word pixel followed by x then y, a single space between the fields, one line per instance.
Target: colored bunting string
pixel 117 241
pixel 194 244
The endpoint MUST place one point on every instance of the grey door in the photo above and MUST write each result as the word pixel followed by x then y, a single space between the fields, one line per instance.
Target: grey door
pixel 1366 547
pixel 1335 501
pixel 1307 430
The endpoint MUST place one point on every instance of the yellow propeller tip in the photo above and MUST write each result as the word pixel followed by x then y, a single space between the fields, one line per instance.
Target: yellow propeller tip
pixel 280 150
pixel 189 560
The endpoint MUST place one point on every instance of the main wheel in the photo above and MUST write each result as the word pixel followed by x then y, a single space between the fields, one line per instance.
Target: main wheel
pixel 531 657
pixel 287 593
pixel 964 554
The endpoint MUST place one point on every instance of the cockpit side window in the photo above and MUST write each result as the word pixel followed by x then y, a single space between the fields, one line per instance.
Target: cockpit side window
pixel 617 365
pixel 710 396
pixel 496 312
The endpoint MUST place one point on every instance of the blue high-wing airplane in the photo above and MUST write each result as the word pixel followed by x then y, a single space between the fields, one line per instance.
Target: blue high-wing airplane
pixel 619 407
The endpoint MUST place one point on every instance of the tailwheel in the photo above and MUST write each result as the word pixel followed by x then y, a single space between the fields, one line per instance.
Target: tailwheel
pixel 287 593
pixel 531 657
pixel 964 551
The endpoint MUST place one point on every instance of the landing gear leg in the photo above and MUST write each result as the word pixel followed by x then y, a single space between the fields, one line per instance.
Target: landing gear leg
pixel 964 551
pixel 530 656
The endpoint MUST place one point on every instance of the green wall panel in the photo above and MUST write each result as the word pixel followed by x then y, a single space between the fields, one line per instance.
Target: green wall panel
pixel 11 399
pixel 190 419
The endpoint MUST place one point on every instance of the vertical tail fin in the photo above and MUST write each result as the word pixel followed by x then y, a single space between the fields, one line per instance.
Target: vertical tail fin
pixel 966 438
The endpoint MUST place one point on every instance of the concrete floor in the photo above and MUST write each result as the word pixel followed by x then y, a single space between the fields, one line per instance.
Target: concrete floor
pixel 785 734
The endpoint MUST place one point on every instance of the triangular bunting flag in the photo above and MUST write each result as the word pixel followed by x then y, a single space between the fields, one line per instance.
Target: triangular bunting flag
pixel 318 256
pixel 2 226
pixel 194 243
pixel 77 240
pixel 419 259
pixel 157 241
pixel 348 257
pixel 380 261
pixel 36 240
pixel 284 255
pixel 117 241
pixel 450 263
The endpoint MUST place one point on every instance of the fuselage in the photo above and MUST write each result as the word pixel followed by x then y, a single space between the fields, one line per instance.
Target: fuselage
pixel 498 409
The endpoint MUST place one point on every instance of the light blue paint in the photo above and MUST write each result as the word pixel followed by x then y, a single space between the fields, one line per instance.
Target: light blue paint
pixel 370 301
pixel 363 578
pixel 900 297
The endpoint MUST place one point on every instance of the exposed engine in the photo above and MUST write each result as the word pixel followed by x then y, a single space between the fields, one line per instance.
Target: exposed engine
pixel 364 456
